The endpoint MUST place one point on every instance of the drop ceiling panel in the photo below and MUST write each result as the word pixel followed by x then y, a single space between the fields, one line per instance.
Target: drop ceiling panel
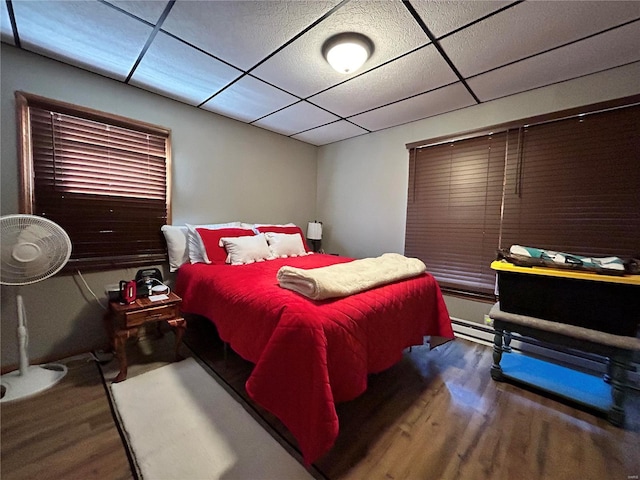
pixel 172 68
pixel 610 49
pixel 242 32
pixel 415 73
pixel 300 67
pixel 530 28
pixel 442 17
pixel 249 99
pixel 445 99
pixel 144 9
pixel 296 118
pixel 333 132
pixel 90 35
pixel 255 60
pixel 6 32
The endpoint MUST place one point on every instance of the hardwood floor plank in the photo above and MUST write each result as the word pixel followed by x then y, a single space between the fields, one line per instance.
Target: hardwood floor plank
pixel 63 433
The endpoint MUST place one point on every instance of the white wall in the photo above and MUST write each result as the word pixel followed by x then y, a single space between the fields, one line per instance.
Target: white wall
pixel 362 182
pixel 223 170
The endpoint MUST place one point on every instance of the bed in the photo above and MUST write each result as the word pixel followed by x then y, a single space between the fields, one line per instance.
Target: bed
pixel 310 355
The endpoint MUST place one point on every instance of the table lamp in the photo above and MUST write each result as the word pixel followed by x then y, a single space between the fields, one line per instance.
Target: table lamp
pixel 314 235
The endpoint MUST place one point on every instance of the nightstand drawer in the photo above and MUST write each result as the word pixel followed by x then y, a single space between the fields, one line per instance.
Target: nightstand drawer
pixel 156 314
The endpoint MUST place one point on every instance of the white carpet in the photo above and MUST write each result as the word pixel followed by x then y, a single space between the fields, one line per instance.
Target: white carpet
pixel 181 424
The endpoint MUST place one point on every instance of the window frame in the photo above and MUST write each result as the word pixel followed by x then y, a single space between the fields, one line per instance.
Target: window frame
pixel 27 188
pixel 512 129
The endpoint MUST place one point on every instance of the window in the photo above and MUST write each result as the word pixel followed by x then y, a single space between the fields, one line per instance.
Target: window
pixel 574 185
pixel 568 183
pixel 453 210
pixel 101 177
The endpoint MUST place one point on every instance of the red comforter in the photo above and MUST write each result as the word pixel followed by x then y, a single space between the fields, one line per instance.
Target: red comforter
pixel 309 355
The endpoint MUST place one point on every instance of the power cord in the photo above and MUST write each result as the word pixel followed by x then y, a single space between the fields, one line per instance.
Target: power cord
pixel 104 307
pixel 160 283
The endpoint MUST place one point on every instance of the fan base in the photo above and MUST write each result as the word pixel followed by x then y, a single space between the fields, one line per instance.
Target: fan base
pixel 35 380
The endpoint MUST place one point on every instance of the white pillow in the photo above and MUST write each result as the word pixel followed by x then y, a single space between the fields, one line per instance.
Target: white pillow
pixel 241 250
pixel 176 238
pixel 195 247
pixel 285 244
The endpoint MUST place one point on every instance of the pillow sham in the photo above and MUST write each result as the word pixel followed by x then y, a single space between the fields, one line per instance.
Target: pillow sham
pixel 212 250
pixel 242 250
pixel 176 238
pixel 289 228
pixel 195 247
pixel 285 245
pixel 181 242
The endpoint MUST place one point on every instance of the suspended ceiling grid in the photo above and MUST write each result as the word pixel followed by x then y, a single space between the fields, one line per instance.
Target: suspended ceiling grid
pixel 260 62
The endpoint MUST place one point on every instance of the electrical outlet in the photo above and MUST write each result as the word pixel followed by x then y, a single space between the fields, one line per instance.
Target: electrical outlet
pixel 488 320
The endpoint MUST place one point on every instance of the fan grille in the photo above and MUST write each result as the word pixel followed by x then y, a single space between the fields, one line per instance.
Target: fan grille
pixel 32 248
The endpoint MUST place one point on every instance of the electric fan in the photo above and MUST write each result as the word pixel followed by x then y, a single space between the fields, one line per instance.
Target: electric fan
pixel 32 249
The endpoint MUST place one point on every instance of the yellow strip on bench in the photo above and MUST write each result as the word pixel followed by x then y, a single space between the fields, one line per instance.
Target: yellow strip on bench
pixel 503 266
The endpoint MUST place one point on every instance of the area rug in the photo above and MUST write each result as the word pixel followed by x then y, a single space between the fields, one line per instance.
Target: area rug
pixel 181 424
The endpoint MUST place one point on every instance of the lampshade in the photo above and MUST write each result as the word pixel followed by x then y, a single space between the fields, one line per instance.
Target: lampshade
pixel 346 52
pixel 314 231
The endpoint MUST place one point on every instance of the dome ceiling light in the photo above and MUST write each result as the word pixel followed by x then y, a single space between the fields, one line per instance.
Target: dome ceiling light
pixel 347 52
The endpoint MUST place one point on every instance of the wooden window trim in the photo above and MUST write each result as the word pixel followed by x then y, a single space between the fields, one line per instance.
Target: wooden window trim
pixel 24 101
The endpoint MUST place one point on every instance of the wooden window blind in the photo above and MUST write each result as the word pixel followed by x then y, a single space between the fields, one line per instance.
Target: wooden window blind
pixel 574 186
pixel 101 178
pixel 453 210
pixel 569 183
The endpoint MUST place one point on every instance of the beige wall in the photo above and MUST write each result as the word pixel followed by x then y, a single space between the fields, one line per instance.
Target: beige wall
pixel 362 182
pixel 223 170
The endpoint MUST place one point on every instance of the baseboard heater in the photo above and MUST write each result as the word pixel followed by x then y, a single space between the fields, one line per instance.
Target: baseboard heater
pixel 588 362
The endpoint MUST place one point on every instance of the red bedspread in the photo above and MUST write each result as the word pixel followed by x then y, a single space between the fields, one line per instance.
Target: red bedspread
pixel 309 355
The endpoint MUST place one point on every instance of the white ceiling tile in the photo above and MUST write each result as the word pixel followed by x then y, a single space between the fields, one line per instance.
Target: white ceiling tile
pixel 170 67
pixel 501 47
pixel 296 118
pixel 607 50
pixel 415 73
pixel 6 32
pixel 442 17
pixel 249 99
pixel 445 99
pixel 530 28
pixel 90 35
pixel 301 69
pixel 242 32
pixel 334 132
pixel 144 9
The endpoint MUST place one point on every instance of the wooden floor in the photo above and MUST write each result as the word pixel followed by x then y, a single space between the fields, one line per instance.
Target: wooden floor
pixel 435 415
pixel 67 432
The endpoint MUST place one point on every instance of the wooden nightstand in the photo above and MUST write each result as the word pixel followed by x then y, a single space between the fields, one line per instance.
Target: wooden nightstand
pixel 123 321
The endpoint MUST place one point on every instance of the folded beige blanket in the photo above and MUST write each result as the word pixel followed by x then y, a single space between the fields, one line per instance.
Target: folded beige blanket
pixel 346 279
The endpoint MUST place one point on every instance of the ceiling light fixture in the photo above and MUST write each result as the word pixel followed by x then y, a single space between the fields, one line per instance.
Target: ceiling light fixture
pixel 347 52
